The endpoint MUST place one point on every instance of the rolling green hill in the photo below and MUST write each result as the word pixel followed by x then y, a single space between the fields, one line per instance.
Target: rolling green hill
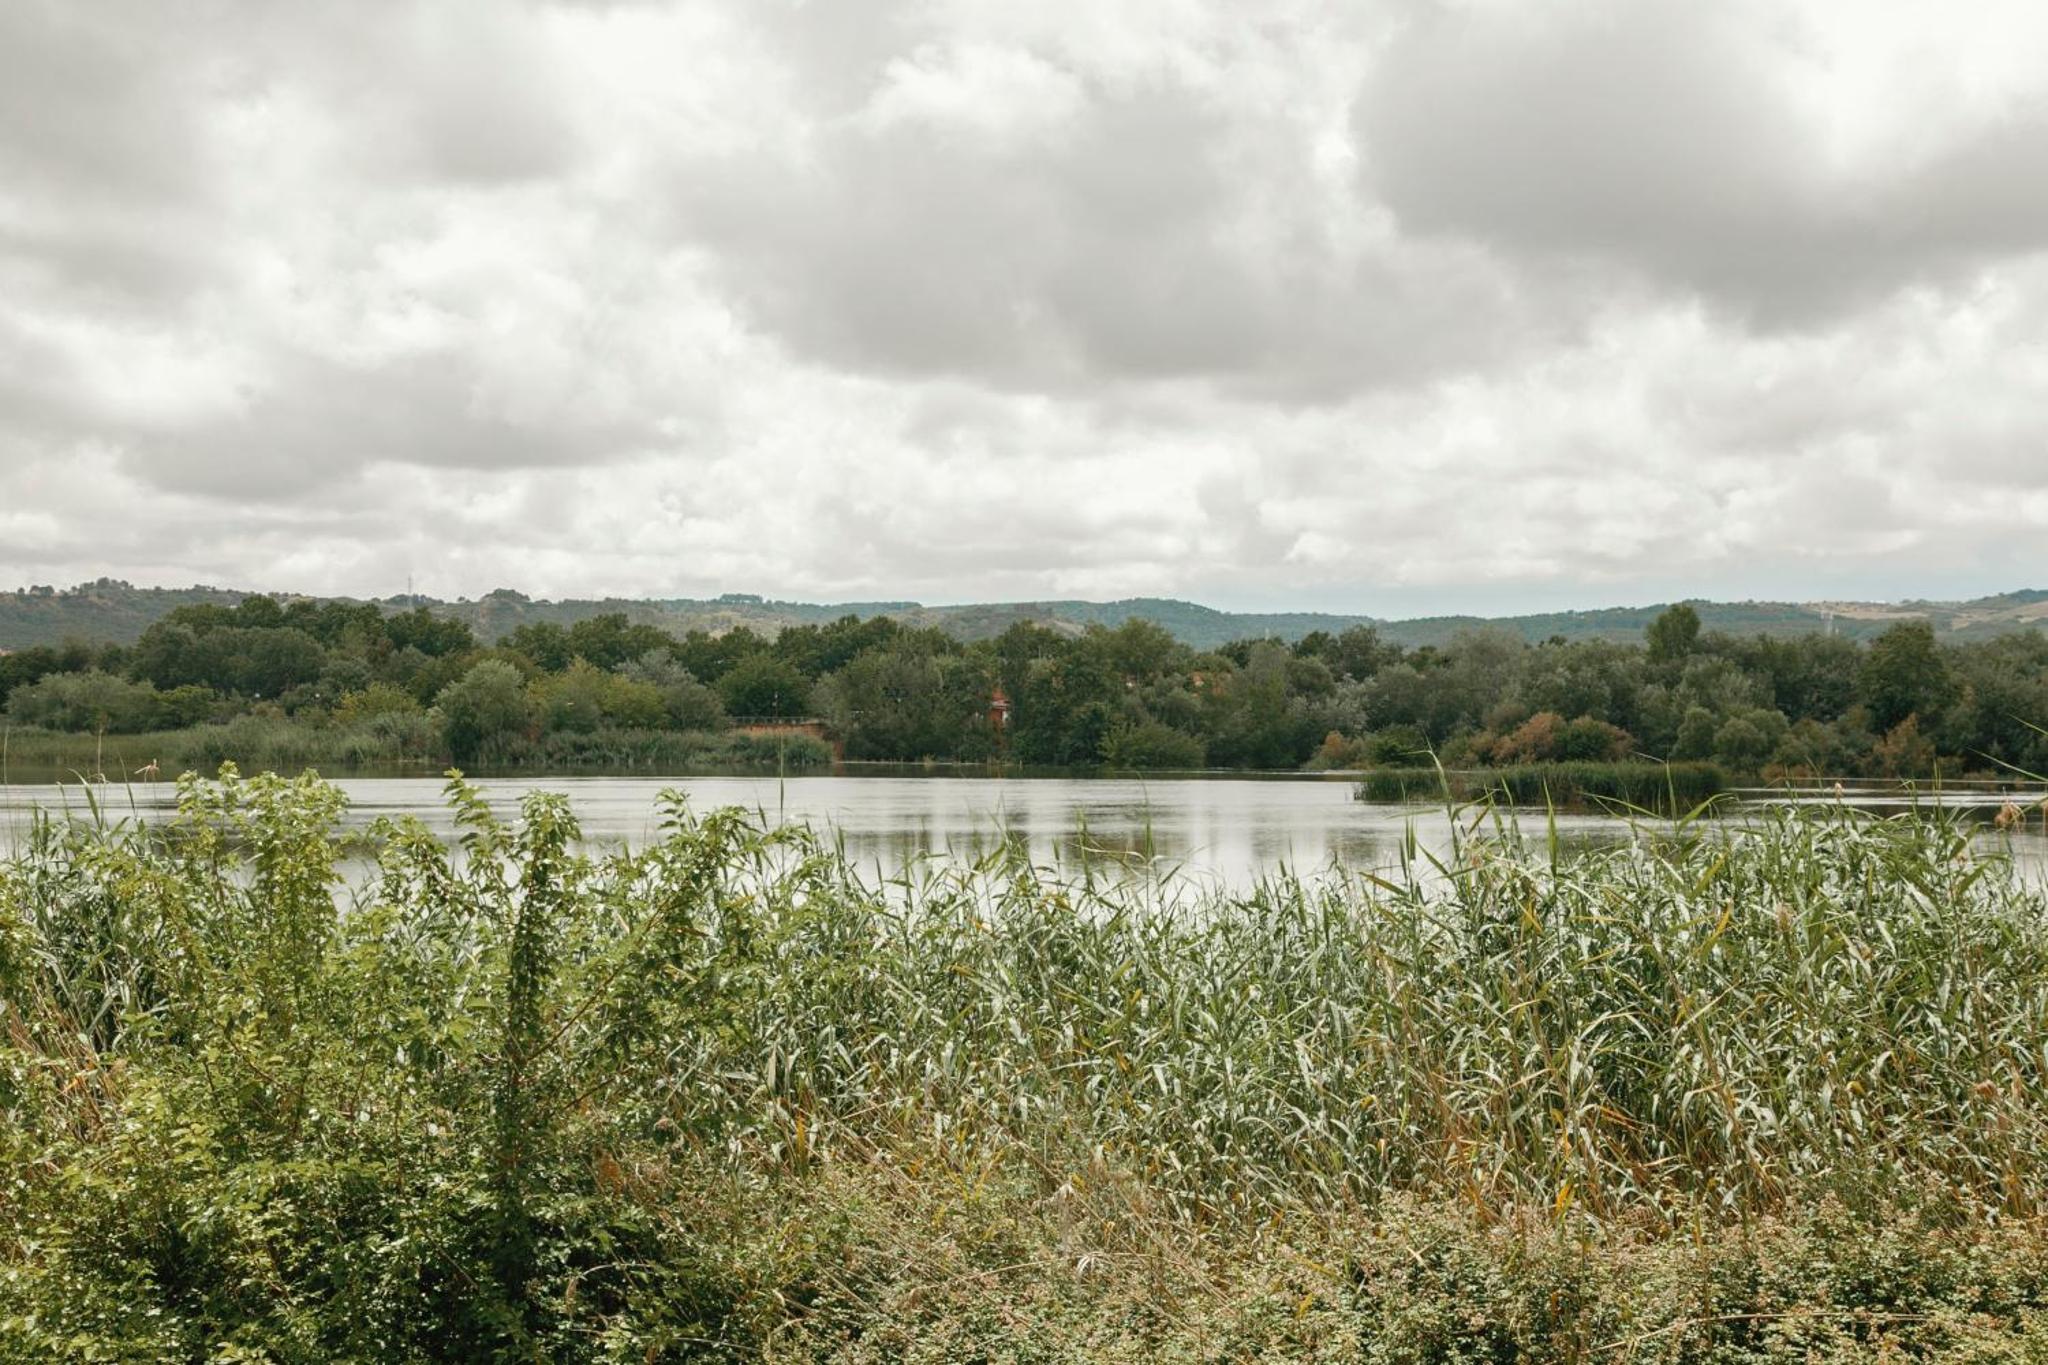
pixel 110 610
pixel 103 610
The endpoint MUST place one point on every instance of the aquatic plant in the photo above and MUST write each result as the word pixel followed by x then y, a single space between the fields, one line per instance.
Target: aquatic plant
pixel 722 1095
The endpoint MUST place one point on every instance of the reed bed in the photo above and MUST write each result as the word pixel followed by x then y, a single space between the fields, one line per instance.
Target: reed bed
pixel 664 750
pixel 1670 788
pixel 267 743
pixel 1816 1003
pixel 724 1096
pixel 250 742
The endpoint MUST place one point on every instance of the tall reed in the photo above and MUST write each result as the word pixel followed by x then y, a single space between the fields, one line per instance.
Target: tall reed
pixel 509 1063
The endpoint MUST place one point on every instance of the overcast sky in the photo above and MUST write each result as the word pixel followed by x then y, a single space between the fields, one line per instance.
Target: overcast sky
pixel 1395 308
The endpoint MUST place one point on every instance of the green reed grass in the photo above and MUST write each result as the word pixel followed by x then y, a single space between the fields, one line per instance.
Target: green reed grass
pixel 1667 787
pixel 508 1094
pixel 275 744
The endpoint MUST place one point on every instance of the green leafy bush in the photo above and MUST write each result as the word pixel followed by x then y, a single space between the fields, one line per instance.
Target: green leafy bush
pixel 1151 745
pixel 85 702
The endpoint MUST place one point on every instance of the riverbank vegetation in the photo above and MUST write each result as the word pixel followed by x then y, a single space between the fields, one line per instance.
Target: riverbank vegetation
pixel 415 744
pixel 267 684
pixel 1768 1095
pixel 1670 788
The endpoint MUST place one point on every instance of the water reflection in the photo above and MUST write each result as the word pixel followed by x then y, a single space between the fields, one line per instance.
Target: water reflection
pixel 1227 831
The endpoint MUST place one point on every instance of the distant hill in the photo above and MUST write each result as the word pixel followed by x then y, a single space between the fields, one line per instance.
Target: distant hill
pixel 1197 625
pixel 1628 623
pixel 104 610
pixel 110 610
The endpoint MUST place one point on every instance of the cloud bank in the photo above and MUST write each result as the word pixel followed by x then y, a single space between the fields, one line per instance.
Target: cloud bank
pixel 1419 305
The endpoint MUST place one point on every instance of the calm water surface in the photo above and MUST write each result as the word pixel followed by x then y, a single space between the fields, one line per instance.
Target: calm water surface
pixel 1217 830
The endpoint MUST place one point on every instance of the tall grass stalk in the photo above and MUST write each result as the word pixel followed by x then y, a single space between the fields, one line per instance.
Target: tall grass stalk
pixel 573 1076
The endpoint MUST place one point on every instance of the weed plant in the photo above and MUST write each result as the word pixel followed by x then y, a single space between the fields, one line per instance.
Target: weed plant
pixel 1757 1094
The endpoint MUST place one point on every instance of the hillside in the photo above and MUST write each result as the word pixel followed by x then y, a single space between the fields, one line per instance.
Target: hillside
pixel 103 610
pixel 110 610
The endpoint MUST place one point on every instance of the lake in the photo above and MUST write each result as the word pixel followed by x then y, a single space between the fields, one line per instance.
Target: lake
pixel 1216 830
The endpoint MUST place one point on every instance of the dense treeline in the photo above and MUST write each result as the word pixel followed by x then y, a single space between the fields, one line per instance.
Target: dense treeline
pixel 414 684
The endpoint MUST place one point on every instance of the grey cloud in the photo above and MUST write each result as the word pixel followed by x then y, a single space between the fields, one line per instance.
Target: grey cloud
pixel 106 168
pixel 909 250
pixel 320 421
pixel 839 48
pixel 1101 253
pixel 1666 139
pixel 1985 195
pixel 38 389
pixel 89 105
pixel 949 299
pixel 444 92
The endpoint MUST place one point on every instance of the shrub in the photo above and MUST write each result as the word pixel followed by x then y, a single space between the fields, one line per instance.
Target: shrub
pixel 377 699
pixel 484 710
pixel 1587 740
pixel 85 702
pixel 687 703
pixel 762 685
pixel 1338 752
pixel 1535 740
pixel 1150 744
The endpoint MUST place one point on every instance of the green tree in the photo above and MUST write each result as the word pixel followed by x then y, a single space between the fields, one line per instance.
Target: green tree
pixel 1359 653
pixel 913 698
pixel 1596 741
pixel 1746 741
pixel 1674 634
pixel 544 642
pixel 1256 721
pixel 2003 687
pixel 1150 744
pixel 1905 675
pixel 26 666
pixel 482 709
pixel 1696 731
pixel 686 703
pixel 272 662
pixel 611 639
pixel 428 633
pixel 818 650
pixel 85 702
pixel 378 699
pixel 763 685
pixel 572 700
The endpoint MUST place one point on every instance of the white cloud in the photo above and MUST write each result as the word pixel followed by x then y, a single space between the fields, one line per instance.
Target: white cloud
pixel 1435 303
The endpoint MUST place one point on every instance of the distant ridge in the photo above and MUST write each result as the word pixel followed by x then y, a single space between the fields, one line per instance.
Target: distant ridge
pixel 109 610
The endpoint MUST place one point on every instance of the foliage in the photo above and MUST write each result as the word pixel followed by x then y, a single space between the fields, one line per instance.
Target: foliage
pixel 764 686
pixel 85 702
pixel 1904 675
pixel 1773 1094
pixel 1672 788
pixel 686 703
pixel 377 699
pixel 583 698
pixel 1674 634
pixel 484 710
pixel 1909 704
pixel 1151 745
pixel 916 696
pixel 664 750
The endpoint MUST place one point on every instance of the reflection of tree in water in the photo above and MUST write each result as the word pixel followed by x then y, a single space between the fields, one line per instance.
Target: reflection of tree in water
pixel 1227 833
